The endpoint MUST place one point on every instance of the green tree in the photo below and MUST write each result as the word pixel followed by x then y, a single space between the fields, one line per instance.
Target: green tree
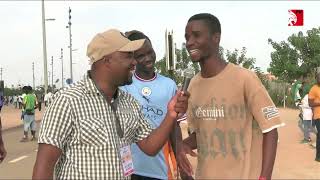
pixel 297 57
pixel 240 59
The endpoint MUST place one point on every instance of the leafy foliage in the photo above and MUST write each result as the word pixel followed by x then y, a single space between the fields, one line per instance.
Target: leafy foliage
pixel 297 57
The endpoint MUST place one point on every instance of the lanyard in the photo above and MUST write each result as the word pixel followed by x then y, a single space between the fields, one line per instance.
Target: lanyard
pixel 113 105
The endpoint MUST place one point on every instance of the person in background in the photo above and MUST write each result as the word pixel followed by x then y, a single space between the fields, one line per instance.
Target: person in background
pixel 314 103
pixel 39 99
pixel 2 102
pixel 3 152
pixel 153 92
pixel 307 119
pixel 29 106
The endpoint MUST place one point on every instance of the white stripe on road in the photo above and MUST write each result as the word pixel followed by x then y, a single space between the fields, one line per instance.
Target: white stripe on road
pixel 18 159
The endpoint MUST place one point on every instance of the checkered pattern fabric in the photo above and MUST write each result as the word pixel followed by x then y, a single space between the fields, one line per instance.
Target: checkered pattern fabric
pixel 82 124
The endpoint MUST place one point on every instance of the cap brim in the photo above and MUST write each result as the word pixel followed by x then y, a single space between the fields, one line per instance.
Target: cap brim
pixel 132 46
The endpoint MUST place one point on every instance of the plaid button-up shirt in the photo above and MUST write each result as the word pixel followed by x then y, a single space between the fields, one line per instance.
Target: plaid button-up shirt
pixel 82 124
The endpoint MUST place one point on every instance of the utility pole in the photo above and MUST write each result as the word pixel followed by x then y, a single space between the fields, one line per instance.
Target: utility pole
pixel 52 72
pixel 45 71
pixel 33 80
pixel 1 69
pixel 70 44
pixel 49 77
pixel 61 57
pixel 170 53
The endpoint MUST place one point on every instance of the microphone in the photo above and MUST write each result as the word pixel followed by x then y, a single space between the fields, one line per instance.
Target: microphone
pixel 187 75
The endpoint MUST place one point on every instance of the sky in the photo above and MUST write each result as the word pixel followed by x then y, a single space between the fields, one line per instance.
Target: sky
pixel 243 23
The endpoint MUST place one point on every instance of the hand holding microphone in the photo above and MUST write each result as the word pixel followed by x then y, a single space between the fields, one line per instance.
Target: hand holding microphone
pixel 187 76
pixel 179 103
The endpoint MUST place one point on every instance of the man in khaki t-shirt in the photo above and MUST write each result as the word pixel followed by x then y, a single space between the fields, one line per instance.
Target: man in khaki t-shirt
pixel 229 116
pixel 314 102
pixel 232 118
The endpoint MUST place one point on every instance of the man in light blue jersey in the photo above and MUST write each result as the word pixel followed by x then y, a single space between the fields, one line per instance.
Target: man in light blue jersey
pixel 153 91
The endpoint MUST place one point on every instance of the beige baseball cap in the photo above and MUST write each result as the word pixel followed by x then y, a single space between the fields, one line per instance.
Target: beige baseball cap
pixel 110 41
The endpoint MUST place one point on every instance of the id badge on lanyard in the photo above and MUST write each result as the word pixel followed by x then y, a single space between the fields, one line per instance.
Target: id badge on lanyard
pixel 124 150
pixel 126 160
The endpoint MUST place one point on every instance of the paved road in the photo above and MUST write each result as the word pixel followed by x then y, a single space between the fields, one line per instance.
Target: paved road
pixel 21 156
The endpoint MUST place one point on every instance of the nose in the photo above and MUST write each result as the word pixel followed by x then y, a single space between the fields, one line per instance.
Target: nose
pixel 189 43
pixel 149 58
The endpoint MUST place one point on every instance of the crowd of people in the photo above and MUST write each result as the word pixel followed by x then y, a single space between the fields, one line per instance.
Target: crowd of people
pixel 121 121
pixel 17 100
pixel 307 98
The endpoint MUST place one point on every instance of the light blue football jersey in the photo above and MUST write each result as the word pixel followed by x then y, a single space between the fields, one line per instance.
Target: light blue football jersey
pixel 153 96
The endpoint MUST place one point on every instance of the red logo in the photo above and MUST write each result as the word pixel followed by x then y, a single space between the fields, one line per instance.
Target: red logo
pixel 295 17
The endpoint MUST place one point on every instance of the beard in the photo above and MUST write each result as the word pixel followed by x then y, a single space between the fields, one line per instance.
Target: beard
pixel 127 81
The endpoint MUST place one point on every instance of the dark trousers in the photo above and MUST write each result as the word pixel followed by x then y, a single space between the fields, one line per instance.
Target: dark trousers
pixel 138 177
pixel 317 123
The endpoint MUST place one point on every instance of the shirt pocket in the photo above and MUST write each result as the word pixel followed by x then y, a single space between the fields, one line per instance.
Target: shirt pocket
pixel 130 123
pixel 93 132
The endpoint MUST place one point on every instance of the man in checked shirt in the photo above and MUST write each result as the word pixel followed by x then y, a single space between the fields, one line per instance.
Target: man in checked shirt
pixel 87 130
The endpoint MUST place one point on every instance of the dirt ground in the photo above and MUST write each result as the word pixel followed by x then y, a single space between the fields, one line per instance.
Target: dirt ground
pixel 10 116
pixel 294 160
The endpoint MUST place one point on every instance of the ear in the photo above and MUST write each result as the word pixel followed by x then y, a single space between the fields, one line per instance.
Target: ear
pixel 216 38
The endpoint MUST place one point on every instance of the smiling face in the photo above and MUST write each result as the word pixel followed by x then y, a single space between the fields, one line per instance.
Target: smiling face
pixel 200 43
pixel 122 66
pixel 146 58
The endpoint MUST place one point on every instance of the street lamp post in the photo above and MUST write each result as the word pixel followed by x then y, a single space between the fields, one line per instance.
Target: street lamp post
pixel 49 74
pixel 62 83
pixel 70 44
pixel 52 71
pixel 44 44
pixel 1 69
pixel 33 79
pixel 45 69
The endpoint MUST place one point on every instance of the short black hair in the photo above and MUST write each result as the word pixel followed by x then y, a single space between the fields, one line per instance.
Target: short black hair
pixel 136 35
pixel 211 21
pixel 28 89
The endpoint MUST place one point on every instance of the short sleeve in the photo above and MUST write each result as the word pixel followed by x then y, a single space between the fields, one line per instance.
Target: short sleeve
pixel 312 94
pixel 24 100
pixel 261 105
pixel 56 125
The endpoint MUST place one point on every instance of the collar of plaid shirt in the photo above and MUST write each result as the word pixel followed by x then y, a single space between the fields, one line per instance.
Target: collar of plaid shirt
pixel 93 87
